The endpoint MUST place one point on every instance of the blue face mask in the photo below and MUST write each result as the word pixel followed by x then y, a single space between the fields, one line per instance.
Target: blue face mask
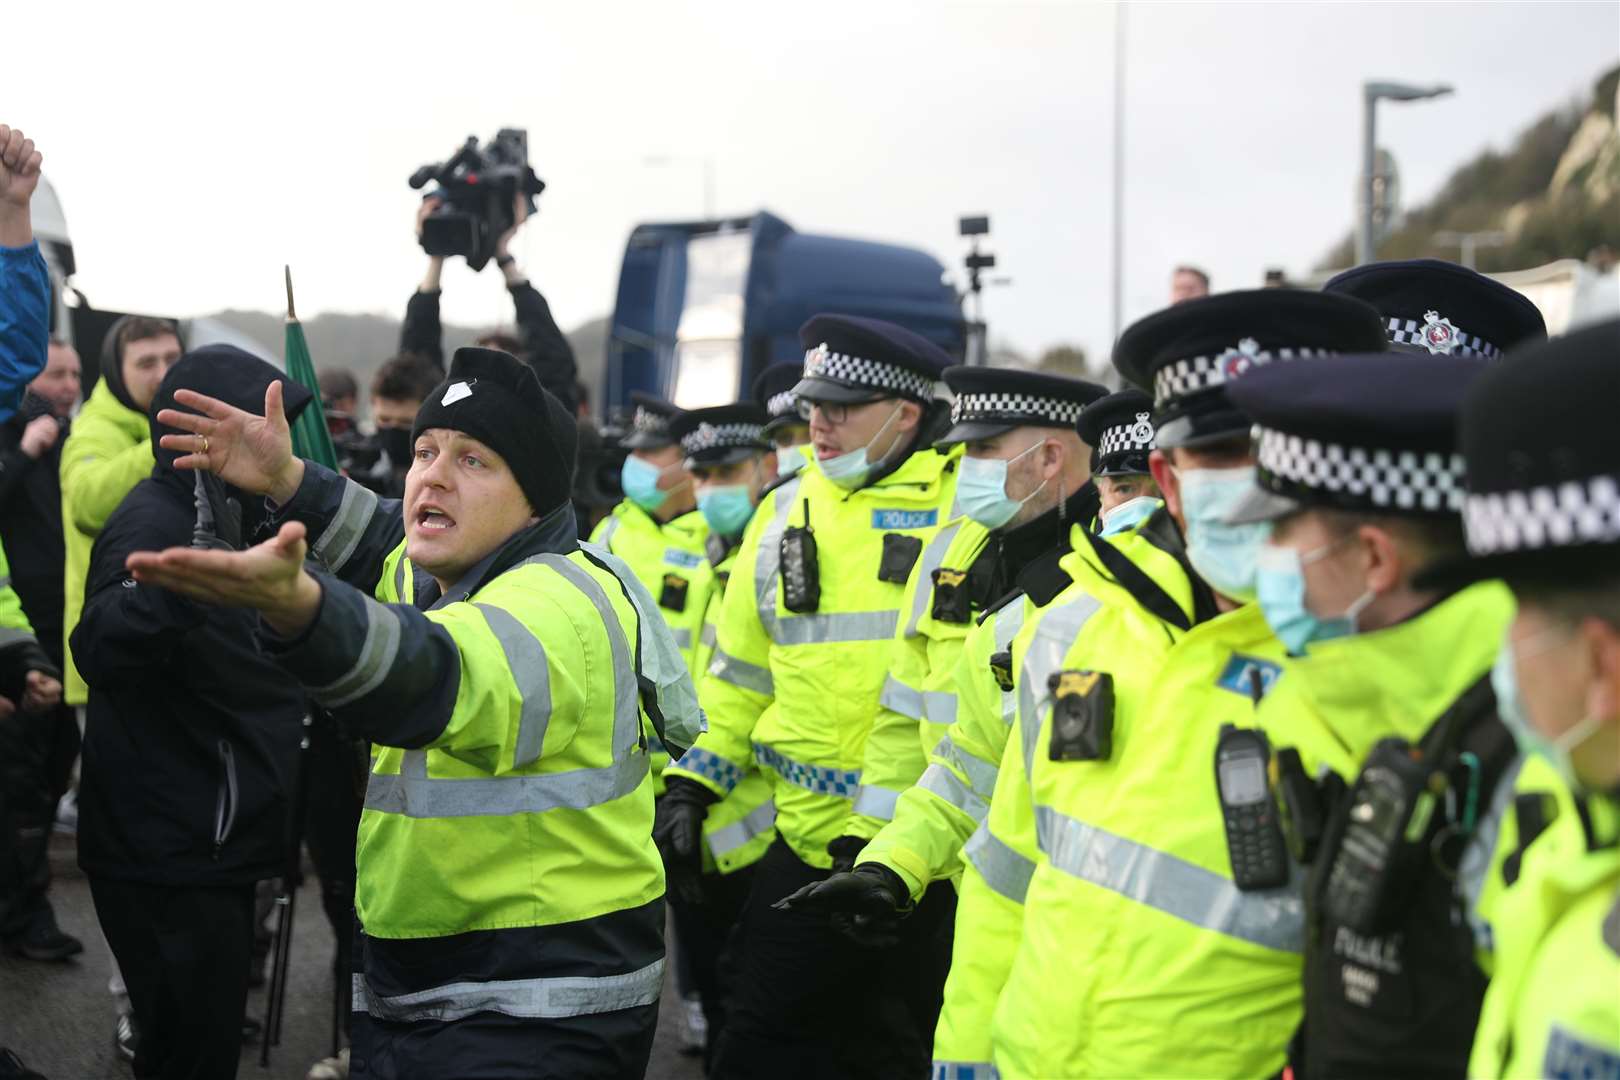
pixel 849 471
pixel 640 482
pixel 981 489
pixel 1222 554
pixel 1516 718
pixel 727 508
pixel 1280 585
pixel 1128 515
pixel 789 460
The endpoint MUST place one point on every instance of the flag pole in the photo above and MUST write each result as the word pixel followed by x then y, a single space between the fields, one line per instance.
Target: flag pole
pixel 292 313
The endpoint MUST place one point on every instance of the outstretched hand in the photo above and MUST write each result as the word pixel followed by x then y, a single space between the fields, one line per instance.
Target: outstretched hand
pixel 268 577
pixel 253 453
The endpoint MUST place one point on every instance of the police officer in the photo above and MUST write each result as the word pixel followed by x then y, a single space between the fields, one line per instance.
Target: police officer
pixel 657 529
pixel 1543 479
pixel 731 462
pixel 931 763
pixel 800 662
pixel 788 431
pixel 1436 308
pixel 1119 429
pixel 1359 482
pixel 508 889
pixel 1103 888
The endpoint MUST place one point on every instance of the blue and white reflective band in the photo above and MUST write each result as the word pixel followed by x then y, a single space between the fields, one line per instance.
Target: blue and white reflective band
pixel 711 766
pixel 964 1070
pixel 844 783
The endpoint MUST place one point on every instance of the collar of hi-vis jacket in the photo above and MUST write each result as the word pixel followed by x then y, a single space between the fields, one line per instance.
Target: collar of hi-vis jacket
pixel 103 404
pixel 1147 554
pixel 921 471
pixel 688 529
pixel 1398 680
pixel 556 533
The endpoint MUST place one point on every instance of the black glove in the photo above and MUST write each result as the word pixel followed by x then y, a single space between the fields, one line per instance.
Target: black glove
pixel 678 832
pixel 866 904
pixel 844 851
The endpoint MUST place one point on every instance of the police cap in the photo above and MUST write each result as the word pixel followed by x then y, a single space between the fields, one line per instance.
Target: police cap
pixel 721 435
pixel 649 425
pixel 773 388
pixel 1119 428
pixel 989 401
pixel 853 359
pixel 1438 307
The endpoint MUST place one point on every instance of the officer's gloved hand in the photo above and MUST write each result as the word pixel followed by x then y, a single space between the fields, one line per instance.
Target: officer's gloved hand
pixel 865 904
pixel 844 851
pixel 678 832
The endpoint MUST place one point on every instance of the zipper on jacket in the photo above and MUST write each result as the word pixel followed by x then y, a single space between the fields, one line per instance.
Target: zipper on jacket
pixel 225 806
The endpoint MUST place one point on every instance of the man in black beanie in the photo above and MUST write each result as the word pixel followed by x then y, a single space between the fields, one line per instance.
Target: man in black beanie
pixel 509 895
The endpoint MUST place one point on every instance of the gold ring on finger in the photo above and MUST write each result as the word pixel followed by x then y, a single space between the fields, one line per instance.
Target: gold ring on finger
pixel 204 439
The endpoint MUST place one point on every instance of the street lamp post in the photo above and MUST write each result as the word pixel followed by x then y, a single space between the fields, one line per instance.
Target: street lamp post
pixel 1371 94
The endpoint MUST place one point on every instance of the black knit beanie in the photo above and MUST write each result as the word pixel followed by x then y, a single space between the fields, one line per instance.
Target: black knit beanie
pixel 497 399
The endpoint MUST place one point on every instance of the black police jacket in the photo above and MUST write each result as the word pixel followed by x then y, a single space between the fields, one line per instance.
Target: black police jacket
pixel 31 525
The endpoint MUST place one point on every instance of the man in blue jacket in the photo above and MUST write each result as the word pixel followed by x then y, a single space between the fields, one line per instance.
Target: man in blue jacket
pixel 25 287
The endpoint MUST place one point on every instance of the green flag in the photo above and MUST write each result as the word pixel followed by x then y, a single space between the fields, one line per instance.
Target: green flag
pixel 310 438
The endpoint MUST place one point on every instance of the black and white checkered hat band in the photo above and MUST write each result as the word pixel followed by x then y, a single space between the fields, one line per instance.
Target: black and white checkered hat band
pixel 1183 377
pixel 1015 409
pixel 1440 338
pixel 821 363
pixel 1572 513
pixel 1127 438
pixel 1412 480
pixel 783 404
pixel 723 437
pixel 650 423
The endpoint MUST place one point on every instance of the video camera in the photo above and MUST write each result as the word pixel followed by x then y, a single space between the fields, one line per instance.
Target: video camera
pixel 479 186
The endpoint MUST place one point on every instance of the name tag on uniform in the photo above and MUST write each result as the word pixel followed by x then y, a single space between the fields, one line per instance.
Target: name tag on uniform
pixel 677 557
pixel 904 519
pixel 1240 673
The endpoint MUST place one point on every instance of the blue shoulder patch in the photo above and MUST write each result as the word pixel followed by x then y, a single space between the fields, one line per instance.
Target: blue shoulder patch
pixel 677 557
pixel 1572 1058
pixel 893 520
pixel 1238 676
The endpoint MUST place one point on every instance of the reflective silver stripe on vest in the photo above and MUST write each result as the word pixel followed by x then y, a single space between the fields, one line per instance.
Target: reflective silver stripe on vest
pixel 612 526
pixel 682 636
pixel 710 636
pixel 896 696
pixel 526 658
pixel 10 636
pixel 1008 621
pixel 530 999
pixel 1473 868
pixel 1003 869
pixel 964 1070
pixel 1056 631
pixel 939 707
pixel 768 557
pixel 378 652
pixel 876 802
pixel 981 774
pixel 5 581
pixel 342 534
pixel 414 794
pixel 932 556
pixel 399 582
pixel 835 627
pixel 626 695
pixel 728 668
pixel 728 838
pixel 1272 918
pixel 948 786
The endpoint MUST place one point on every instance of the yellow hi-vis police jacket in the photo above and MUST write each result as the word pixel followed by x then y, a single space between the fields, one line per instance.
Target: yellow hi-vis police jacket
pixel 967 711
pixel 999 856
pixel 505 861
pixel 798 691
pixel 1553 1004
pixel 740 827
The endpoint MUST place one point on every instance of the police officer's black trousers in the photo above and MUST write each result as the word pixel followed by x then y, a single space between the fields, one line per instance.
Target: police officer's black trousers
pixel 709 936
pixel 184 954
pixel 329 835
pixel 485 1046
pixel 809 1003
pixel 36 758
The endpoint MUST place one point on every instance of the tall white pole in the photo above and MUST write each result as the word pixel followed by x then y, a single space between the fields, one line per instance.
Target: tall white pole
pixel 1119 166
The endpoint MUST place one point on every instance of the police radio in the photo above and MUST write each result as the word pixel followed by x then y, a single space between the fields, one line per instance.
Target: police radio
pixel 801 574
pixel 1254 840
pixel 1384 838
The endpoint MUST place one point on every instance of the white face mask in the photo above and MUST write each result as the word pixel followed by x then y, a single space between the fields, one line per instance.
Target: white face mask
pixel 850 470
pixel 1127 515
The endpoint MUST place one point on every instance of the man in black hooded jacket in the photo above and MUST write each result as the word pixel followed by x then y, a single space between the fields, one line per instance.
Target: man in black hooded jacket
pixel 189 752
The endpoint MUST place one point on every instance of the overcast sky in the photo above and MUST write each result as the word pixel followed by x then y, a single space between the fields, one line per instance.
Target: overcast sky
pixel 198 149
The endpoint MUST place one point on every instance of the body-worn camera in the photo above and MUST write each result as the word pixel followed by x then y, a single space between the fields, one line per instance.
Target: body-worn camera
pixel 479 186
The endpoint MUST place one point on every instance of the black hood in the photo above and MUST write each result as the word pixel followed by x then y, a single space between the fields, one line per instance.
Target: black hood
pixel 237 378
